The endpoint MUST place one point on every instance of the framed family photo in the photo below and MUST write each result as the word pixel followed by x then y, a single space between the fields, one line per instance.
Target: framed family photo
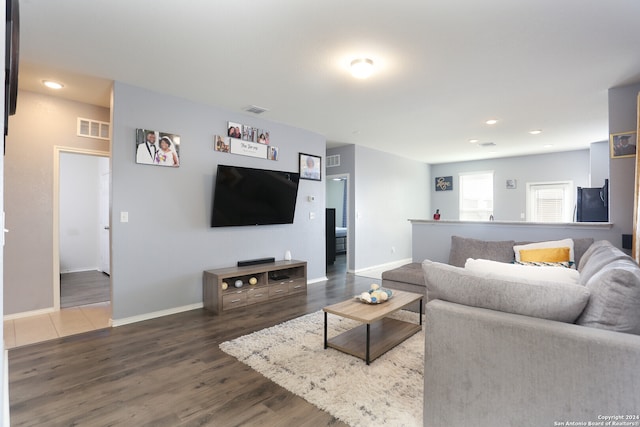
pixel 310 167
pixel 623 144
pixel 157 148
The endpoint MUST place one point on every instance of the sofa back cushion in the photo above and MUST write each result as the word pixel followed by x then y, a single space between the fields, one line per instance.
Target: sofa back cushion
pixel 613 279
pixel 463 248
pixel 547 300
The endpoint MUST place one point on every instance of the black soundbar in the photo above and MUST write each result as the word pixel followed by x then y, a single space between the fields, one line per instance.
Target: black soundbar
pixel 255 261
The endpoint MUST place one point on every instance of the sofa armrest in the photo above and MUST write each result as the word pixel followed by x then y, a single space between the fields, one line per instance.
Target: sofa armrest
pixel 489 368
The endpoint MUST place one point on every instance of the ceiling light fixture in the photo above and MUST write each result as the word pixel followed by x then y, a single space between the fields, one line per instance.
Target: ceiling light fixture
pixel 491 122
pixel 473 141
pixel 548 146
pixel 535 132
pixel 52 85
pixel 361 68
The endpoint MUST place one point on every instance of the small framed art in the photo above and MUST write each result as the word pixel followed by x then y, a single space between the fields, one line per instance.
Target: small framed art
pixel 623 144
pixel 310 167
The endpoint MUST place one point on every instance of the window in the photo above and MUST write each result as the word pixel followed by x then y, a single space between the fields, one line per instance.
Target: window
pixel 476 196
pixel 550 201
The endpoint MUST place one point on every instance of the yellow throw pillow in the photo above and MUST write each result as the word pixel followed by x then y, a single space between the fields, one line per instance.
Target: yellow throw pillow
pixel 545 255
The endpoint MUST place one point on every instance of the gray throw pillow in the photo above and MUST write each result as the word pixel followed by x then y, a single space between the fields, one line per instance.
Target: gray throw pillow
pixel 546 300
pixel 463 248
pixel 615 297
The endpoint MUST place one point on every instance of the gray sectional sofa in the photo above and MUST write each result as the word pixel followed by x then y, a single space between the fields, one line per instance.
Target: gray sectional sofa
pixel 523 352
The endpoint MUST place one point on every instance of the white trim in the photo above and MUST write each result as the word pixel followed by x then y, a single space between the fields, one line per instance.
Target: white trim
pixel 57 150
pixel 155 314
pixel 347 176
pixel 317 280
pixel 29 313
pixel 80 270
pixel 388 265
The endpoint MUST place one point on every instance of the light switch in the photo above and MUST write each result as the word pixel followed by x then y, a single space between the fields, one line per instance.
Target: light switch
pixel 124 216
pixel 312 215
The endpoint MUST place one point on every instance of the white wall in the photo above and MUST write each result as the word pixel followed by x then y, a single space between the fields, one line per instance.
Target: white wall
pixel 159 255
pixel 510 203
pixel 79 214
pixel 389 190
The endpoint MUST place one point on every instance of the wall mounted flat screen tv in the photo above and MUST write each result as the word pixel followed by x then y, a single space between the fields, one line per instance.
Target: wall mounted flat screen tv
pixel 246 196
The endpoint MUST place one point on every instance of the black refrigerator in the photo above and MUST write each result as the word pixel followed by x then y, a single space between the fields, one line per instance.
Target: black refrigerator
pixel 593 204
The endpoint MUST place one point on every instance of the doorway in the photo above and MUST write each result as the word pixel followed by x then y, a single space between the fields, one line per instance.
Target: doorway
pixel 81 229
pixel 338 198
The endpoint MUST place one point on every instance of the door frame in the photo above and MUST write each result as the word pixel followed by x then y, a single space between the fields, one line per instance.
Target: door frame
pixel 57 150
pixel 347 177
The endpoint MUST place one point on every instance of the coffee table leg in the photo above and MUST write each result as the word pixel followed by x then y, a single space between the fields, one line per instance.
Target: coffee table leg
pixel 420 312
pixel 325 330
pixel 368 342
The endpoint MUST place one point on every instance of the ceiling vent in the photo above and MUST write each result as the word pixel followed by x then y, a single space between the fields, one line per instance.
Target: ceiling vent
pixel 255 109
pixel 333 161
pixel 487 144
pixel 93 129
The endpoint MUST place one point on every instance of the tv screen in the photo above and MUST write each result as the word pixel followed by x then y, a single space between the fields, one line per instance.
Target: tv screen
pixel 246 196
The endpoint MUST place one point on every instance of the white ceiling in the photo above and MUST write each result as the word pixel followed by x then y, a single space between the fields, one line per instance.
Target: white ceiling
pixel 443 67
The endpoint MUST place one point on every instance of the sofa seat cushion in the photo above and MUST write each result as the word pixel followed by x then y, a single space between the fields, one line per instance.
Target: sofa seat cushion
pixel 463 248
pixel 409 273
pixel 613 279
pixel 547 300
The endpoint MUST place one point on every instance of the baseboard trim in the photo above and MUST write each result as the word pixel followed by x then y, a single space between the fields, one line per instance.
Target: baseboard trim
pixel 318 280
pixel 79 270
pixel 155 314
pixel 28 314
pixel 388 265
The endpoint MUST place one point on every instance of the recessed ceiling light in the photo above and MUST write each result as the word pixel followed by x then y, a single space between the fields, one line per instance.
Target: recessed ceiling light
pixel 473 141
pixel 491 122
pixel 361 68
pixel 52 85
pixel 535 132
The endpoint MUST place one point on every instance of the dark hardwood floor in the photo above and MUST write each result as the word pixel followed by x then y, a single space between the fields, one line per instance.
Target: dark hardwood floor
pixel 84 287
pixel 167 371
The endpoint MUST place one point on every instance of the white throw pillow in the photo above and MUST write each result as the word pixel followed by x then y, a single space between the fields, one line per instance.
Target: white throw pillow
pixel 564 243
pixel 502 269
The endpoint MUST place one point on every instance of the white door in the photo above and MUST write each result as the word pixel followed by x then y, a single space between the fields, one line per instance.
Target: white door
pixel 103 205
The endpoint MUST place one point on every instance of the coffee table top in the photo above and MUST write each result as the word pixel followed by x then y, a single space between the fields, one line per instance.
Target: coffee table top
pixel 368 313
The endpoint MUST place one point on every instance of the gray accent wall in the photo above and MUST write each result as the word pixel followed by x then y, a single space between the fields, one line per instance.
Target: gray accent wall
pixel 508 204
pixel 622 118
pixel 41 122
pixel 158 256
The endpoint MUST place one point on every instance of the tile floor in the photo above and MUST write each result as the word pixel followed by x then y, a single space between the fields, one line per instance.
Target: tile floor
pixel 67 321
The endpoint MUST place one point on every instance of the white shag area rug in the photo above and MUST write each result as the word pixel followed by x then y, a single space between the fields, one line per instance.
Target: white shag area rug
pixel 388 392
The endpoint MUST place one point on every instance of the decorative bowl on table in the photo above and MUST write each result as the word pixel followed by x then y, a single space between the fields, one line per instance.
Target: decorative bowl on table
pixel 375 295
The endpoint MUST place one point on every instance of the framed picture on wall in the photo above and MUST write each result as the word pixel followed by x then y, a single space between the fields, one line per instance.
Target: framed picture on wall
pixel 157 148
pixel 310 167
pixel 623 144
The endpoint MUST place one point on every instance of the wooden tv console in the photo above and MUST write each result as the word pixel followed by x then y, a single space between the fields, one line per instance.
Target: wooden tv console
pixel 273 280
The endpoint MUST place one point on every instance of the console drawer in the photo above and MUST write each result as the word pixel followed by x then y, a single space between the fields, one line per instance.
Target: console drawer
pixel 276 291
pixel 257 295
pixel 233 300
pixel 296 286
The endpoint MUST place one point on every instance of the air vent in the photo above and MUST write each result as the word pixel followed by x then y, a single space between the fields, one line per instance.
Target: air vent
pixel 333 161
pixel 487 144
pixel 93 129
pixel 255 109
